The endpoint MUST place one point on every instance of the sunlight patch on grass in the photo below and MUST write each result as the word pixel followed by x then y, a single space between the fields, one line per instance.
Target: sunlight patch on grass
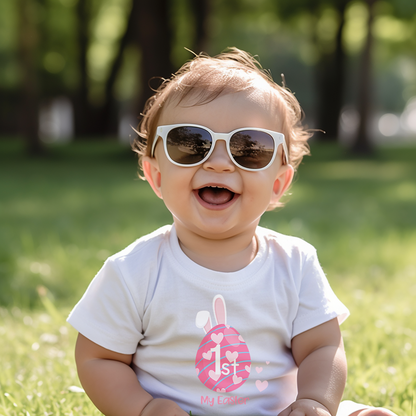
pixel 357 169
pixel 406 191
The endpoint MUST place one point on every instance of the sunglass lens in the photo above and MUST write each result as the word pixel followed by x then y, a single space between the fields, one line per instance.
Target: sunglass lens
pixel 188 145
pixel 252 149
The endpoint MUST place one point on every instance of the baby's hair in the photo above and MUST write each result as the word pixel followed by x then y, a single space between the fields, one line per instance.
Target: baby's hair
pixel 204 78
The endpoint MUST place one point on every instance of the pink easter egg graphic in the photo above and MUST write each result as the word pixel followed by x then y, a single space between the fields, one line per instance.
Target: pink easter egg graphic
pixel 223 359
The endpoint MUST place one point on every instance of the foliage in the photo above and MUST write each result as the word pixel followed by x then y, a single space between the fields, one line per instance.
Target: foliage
pixel 60 217
pixel 289 37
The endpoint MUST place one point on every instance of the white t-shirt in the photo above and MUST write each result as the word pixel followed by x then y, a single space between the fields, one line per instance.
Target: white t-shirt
pixel 145 300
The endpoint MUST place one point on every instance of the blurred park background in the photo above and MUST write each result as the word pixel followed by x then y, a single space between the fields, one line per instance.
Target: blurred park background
pixel 74 75
pixel 81 69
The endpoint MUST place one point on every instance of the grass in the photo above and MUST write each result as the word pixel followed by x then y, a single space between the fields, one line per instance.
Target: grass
pixel 37 370
pixel 61 216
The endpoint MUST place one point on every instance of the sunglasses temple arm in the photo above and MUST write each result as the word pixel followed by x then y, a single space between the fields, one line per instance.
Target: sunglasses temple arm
pixel 152 150
pixel 285 152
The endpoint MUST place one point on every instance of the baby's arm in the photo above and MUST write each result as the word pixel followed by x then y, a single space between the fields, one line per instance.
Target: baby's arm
pixel 112 385
pixel 319 354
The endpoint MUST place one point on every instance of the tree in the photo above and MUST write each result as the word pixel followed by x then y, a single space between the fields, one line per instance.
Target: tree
pixel 61 65
pixel 149 29
pixel 331 81
pixel 362 143
pixel 330 66
pixel 201 12
pixel 82 107
pixel 154 35
pixel 108 113
pixel 28 42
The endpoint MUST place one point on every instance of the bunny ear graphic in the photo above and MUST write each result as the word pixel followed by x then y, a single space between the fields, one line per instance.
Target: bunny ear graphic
pixel 219 310
pixel 203 320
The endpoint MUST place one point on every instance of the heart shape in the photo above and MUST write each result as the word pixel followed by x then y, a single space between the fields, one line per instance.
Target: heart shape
pixel 248 368
pixel 236 379
pixel 240 338
pixel 197 370
pixel 259 369
pixel 261 385
pixel 231 356
pixel 221 390
pixel 207 355
pixel 267 362
pixel 214 375
pixel 217 338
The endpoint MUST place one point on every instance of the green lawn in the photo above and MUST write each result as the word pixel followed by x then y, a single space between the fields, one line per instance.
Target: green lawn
pixel 61 216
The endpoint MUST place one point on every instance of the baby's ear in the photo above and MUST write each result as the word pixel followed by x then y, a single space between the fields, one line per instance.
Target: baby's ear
pixel 152 174
pixel 282 182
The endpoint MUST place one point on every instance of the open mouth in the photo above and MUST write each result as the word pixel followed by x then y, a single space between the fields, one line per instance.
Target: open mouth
pixel 215 195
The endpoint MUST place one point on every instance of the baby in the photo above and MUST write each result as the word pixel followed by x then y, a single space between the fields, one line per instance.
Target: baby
pixel 219 142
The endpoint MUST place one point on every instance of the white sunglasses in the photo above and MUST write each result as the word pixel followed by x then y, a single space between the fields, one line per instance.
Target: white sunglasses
pixel 250 148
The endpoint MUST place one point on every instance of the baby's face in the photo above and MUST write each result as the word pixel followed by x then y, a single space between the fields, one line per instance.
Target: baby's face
pixel 217 199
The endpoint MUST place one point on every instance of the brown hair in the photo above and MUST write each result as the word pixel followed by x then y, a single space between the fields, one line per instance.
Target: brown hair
pixel 204 78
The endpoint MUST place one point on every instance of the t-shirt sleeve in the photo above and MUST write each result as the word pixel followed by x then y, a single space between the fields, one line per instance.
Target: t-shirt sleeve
pixel 107 313
pixel 317 301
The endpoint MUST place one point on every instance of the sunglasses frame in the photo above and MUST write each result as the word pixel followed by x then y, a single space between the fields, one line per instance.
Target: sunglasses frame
pixel 163 131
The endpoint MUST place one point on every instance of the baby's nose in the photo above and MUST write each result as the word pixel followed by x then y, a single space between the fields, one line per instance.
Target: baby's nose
pixel 219 160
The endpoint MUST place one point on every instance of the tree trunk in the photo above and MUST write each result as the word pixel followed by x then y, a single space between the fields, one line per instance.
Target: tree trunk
pixel 201 10
pixel 28 40
pixel 154 35
pixel 108 116
pixel 331 84
pixel 82 108
pixel 362 143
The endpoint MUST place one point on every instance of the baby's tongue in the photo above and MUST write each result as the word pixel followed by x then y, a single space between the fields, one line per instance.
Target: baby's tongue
pixel 216 196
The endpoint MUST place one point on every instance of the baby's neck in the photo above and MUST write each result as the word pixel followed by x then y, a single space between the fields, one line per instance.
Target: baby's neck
pixel 223 255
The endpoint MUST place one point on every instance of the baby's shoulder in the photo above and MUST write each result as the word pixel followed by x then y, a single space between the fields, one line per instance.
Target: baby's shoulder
pixel 283 243
pixel 144 249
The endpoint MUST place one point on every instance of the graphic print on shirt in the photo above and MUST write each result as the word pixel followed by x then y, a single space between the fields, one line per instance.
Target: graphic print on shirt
pixel 223 360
